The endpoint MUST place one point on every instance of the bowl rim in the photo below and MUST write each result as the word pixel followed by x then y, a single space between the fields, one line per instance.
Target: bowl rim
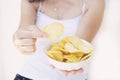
pixel 49 58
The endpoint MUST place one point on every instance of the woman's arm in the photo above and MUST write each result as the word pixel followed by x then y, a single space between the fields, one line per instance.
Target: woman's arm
pixel 28 13
pixel 27 33
pixel 89 26
pixel 91 20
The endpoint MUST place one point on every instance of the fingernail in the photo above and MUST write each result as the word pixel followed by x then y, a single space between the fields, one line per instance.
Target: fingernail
pixel 69 74
pixel 81 70
pixel 63 72
pixel 52 67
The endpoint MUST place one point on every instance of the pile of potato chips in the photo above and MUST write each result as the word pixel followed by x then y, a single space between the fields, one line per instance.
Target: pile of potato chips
pixel 70 49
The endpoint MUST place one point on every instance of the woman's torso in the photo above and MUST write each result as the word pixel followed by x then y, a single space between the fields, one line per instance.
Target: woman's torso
pixel 37 66
pixel 71 24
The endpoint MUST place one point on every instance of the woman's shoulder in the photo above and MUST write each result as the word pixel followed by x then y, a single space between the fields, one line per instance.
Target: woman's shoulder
pixel 34 5
pixel 95 3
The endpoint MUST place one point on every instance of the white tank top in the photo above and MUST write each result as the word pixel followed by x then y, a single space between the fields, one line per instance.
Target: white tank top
pixel 36 66
pixel 70 25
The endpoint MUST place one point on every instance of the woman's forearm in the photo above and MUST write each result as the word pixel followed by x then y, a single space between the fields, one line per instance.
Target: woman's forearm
pixel 91 20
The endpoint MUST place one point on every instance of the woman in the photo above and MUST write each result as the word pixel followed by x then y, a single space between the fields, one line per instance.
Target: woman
pixel 79 17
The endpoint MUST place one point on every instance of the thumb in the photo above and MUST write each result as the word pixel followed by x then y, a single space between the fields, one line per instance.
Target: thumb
pixel 37 33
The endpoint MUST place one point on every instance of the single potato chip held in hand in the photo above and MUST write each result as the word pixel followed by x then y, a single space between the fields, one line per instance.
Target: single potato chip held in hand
pixel 54 30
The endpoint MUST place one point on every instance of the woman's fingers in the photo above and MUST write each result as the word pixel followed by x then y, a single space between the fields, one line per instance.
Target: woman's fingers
pixel 25 45
pixel 79 71
pixel 25 42
pixel 52 67
pixel 27 49
pixel 73 72
pixel 64 72
pixel 30 32
pixel 70 73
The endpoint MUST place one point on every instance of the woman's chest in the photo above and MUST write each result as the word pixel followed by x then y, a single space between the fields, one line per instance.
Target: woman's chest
pixel 61 9
pixel 69 26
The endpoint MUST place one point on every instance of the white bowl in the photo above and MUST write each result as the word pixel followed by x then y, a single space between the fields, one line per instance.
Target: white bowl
pixel 70 66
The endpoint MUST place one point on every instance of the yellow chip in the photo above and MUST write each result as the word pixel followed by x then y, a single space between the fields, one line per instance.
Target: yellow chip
pixel 85 48
pixel 57 55
pixel 64 40
pixel 79 44
pixel 78 54
pixel 61 44
pixel 79 58
pixel 50 55
pixel 57 48
pixel 70 48
pixel 54 30
pixel 70 58
pixel 86 56
pixel 53 45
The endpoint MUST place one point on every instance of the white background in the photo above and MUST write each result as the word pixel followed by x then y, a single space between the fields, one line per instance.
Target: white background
pixel 105 64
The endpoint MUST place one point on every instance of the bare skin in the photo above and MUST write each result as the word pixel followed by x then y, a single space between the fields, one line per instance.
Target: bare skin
pixel 27 33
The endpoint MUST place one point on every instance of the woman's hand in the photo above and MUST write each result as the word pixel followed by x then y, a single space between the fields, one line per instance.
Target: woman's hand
pixel 25 38
pixel 69 73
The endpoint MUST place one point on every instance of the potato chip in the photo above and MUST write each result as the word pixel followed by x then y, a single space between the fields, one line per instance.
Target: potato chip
pixel 70 58
pixel 64 40
pixel 61 44
pixel 70 48
pixel 54 45
pixel 57 55
pixel 78 54
pixel 57 48
pixel 86 56
pixel 54 30
pixel 50 55
pixel 85 48
pixel 79 44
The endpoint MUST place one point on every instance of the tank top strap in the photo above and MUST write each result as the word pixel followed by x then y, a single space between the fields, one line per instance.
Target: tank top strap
pixel 40 6
pixel 84 6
